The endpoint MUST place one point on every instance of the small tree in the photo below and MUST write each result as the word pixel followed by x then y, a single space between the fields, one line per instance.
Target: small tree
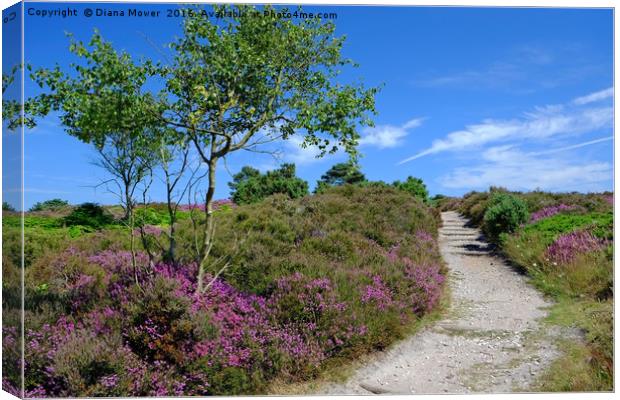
pixel 413 186
pixel 341 174
pixel 250 186
pixel 7 207
pixel 102 102
pixel 243 81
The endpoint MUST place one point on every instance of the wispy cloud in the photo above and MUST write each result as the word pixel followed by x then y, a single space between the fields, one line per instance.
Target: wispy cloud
pixel 542 123
pixel 593 97
pixel 522 69
pixel 512 168
pixel 497 74
pixel 387 136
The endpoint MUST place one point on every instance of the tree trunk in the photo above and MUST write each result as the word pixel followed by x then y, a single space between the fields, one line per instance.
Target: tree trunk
pixel 209 226
pixel 170 256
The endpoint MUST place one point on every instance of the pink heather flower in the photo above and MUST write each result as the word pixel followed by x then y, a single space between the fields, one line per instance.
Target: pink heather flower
pixel 392 254
pixel 568 246
pixel 150 230
pixel 424 236
pixel 378 293
pixel 109 381
pixel 426 281
pixel 217 204
pixel 550 211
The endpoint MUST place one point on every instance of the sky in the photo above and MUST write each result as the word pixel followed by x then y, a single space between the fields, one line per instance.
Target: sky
pixel 471 97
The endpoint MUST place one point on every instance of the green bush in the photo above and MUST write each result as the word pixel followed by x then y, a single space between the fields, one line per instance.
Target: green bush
pixel 50 205
pixel 504 214
pixel 89 214
pixel 413 186
pixel 250 186
pixel 7 207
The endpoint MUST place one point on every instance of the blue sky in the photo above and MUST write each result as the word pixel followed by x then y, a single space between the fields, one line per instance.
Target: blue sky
pixel 472 97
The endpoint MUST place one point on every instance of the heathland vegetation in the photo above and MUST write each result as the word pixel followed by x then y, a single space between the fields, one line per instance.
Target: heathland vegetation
pixel 565 243
pixel 310 281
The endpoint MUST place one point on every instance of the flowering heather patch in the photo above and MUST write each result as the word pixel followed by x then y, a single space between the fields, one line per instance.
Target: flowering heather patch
pixel 378 293
pixel 550 211
pixel 149 230
pixel 566 247
pixel 302 289
pixel 217 204
pixel 423 281
pixel 424 237
pixel 426 286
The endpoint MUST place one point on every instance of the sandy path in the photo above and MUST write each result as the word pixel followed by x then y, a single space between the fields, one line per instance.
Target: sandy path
pixel 491 340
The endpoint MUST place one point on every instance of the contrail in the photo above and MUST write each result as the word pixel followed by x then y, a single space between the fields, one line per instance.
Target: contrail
pixel 574 146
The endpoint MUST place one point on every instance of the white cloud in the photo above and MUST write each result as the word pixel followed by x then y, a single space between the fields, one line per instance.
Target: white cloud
pixel 596 96
pixel 542 123
pixel 511 168
pixel 295 153
pixel 387 136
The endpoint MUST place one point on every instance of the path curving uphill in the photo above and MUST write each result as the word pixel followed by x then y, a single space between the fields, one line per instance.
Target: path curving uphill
pixel 491 340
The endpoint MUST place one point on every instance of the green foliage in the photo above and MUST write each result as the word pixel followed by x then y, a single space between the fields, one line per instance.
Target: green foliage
pixel 50 205
pixel 341 174
pixel 311 235
pixel 547 229
pixel 7 207
pixel 90 215
pixel 150 215
pixel 413 186
pixel 32 221
pixel 250 186
pixel 268 74
pixel 504 214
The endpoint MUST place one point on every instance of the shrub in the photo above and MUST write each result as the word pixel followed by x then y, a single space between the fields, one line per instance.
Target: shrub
pixel 7 207
pixel 250 186
pixel 50 205
pixel 89 214
pixel 504 214
pixel 413 186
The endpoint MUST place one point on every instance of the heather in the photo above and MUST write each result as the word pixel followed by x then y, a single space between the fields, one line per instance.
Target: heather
pixel 566 246
pixel 309 282
pixel 550 211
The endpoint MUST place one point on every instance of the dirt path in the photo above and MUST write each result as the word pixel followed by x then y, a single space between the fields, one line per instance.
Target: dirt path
pixel 491 340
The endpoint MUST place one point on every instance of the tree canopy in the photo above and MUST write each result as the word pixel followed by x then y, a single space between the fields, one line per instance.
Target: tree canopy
pixel 413 186
pixel 341 174
pixel 250 186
